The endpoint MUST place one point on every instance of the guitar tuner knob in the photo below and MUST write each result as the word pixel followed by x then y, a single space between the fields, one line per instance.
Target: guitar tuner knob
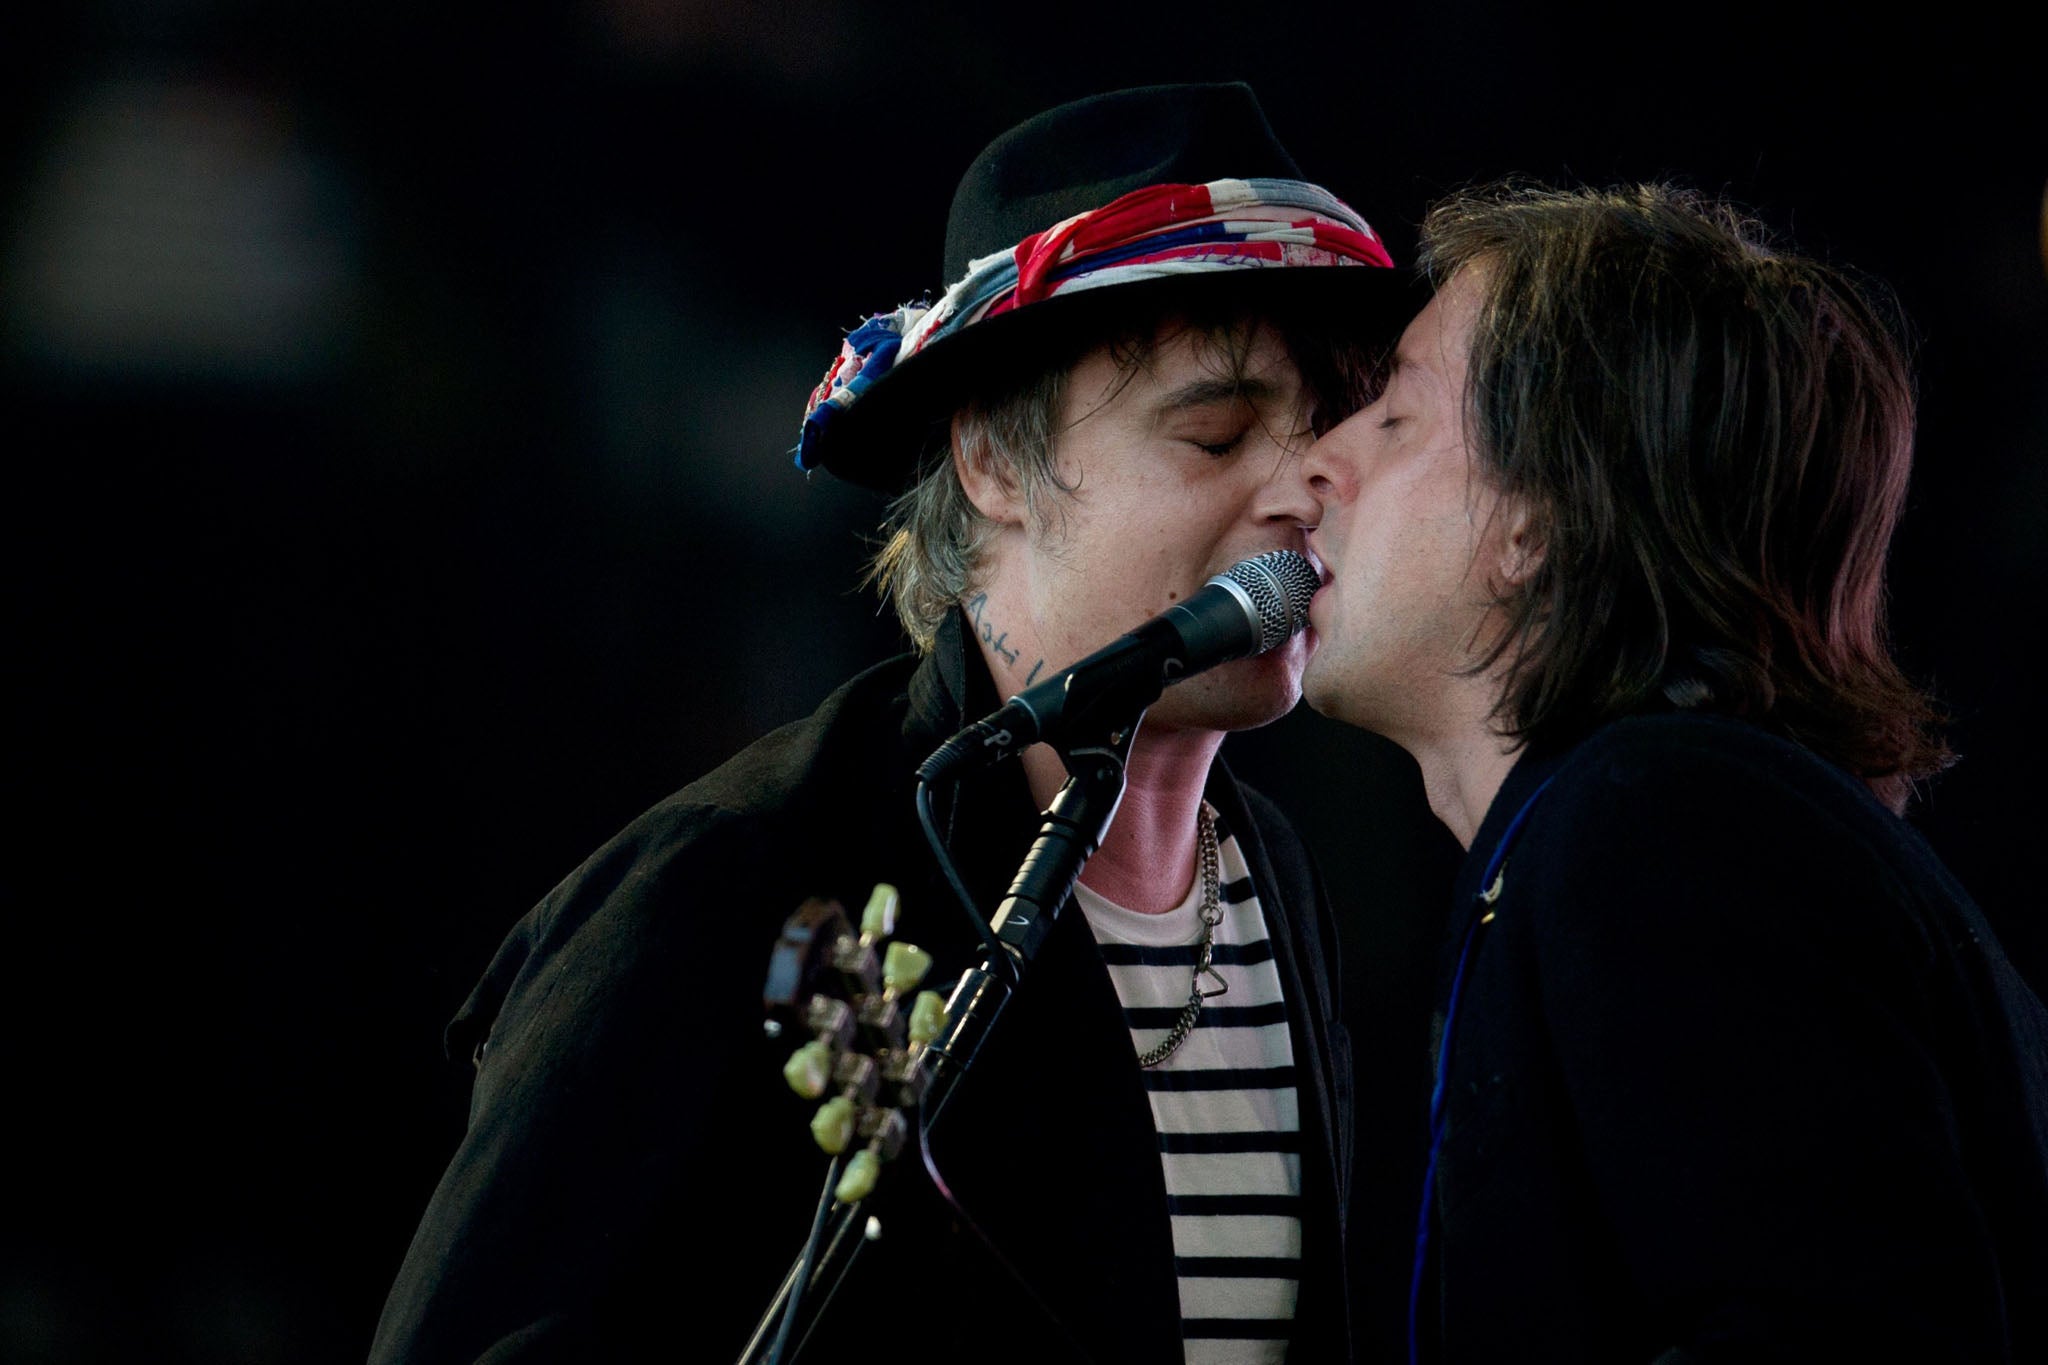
pixel 859 1180
pixel 808 1069
pixel 927 1017
pixel 904 965
pixel 878 917
pixel 832 1126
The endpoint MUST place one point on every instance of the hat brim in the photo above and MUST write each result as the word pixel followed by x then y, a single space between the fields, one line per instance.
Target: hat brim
pixel 879 440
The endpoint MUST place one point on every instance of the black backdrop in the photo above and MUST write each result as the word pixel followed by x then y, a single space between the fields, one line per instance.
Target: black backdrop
pixel 397 501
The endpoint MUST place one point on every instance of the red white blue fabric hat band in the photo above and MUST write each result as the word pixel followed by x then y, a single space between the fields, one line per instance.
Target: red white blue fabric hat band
pixel 1157 232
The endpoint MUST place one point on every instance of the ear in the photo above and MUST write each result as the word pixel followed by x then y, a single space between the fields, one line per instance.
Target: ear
pixel 988 482
pixel 1521 543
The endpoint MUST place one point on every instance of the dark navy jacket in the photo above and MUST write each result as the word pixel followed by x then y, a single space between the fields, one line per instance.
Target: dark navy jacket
pixel 1738 1073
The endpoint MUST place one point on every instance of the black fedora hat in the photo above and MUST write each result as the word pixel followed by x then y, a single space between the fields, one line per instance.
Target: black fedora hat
pixel 1078 212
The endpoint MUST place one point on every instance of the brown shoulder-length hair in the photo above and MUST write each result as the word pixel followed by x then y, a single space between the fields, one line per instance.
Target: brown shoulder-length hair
pixel 1713 438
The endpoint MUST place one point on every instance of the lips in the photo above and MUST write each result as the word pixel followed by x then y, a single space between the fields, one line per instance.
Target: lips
pixel 1310 553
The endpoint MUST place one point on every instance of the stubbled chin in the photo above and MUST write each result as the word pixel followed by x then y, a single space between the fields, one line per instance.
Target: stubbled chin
pixel 1288 659
pixel 1283 661
pixel 1240 695
pixel 1266 686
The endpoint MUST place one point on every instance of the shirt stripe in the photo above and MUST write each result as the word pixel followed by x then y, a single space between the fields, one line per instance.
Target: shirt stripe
pixel 1246 1078
pixel 1256 1141
pixel 1239 1205
pixel 1227 1329
pixel 1244 1267
pixel 1213 1016
pixel 1183 954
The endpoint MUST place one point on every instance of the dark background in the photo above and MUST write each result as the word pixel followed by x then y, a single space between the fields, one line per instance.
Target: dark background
pixel 397 501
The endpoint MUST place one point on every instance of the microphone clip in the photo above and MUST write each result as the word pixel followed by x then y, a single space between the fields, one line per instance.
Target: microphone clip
pixel 1072 829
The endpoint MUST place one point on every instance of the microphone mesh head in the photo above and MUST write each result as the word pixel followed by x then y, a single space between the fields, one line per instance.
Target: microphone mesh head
pixel 1280 583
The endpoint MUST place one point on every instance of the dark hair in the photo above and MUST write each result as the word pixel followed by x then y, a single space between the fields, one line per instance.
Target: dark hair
pixel 933 536
pixel 1713 438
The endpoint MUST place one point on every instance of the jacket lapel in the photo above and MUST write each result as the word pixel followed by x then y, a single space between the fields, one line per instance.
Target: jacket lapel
pixel 1048 1144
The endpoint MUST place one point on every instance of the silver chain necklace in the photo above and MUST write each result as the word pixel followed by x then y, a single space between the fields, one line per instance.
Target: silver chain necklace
pixel 1205 947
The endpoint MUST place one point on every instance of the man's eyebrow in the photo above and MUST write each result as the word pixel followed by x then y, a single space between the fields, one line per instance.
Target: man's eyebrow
pixel 1215 389
pixel 1386 367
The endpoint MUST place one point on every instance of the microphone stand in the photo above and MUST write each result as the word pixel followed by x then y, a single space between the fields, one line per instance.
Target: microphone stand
pixel 1070 831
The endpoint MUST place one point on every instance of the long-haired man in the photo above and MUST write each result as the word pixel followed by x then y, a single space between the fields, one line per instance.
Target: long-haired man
pixel 1729 1067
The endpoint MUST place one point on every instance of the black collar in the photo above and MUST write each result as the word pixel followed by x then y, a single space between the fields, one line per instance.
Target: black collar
pixel 1532 769
pixel 951 684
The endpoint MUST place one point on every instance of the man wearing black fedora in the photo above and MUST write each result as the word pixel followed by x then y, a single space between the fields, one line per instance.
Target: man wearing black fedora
pixel 1150 314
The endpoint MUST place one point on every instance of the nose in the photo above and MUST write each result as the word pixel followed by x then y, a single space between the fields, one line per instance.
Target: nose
pixel 1285 497
pixel 1327 473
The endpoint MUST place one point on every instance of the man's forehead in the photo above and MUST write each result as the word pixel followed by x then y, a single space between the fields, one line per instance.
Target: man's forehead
pixel 1436 342
pixel 1186 364
pixel 1423 354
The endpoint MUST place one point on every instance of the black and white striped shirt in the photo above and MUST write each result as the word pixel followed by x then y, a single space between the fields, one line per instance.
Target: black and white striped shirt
pixel 1225 1109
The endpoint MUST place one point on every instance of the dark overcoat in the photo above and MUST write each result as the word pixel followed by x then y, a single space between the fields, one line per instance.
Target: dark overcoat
pixel 636 1177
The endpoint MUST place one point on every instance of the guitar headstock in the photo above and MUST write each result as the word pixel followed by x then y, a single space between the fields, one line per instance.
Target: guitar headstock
pixel 842 991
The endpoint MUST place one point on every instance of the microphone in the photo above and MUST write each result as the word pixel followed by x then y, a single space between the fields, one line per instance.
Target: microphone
pixel 1247 609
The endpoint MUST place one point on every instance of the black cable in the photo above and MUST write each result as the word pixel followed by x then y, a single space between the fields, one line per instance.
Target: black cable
pixel 800 1277
pixel 839 1277
pixel 931 1170
pixel 998 955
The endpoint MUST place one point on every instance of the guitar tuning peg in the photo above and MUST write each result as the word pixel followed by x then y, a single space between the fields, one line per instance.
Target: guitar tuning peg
pixel 903 966
pixel 808 1069
pixel 832 1126
pixel 855 1075
pixel 884 1131
pixel 927 1017
pixel 854 958
pixel 881 1019
pixel 830 1019
pixel 859 1180
pixel 878 919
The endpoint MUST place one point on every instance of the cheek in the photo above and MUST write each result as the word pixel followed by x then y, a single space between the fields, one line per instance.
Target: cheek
pixel 1350 524
pixel 1376 535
